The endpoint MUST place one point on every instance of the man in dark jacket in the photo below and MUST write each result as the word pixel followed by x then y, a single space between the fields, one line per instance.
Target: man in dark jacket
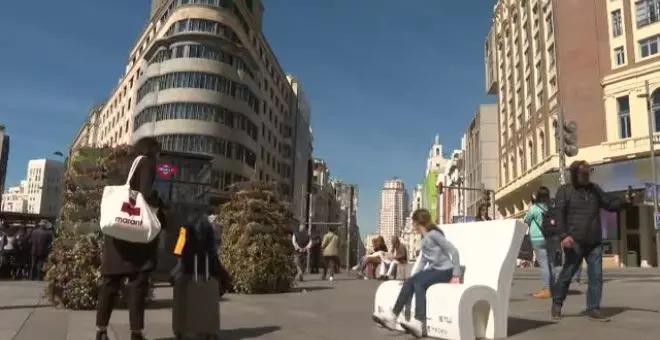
pixel 578 207
pixel 302 243
pixel 41 240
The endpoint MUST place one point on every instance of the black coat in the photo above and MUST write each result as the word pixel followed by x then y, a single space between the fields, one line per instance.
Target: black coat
pixel 579 211
pixel 121 257
pixel 40 240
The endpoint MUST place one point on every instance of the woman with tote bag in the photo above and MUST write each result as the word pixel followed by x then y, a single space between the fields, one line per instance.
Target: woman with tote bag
pixel 123 260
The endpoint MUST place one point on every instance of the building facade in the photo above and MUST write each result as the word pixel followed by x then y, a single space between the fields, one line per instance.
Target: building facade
pixel 452 200
pixel 15 199
pixel 409 237
pixel 303 148
pixel 481 156
pixel 323 206
pixel 393 209
pixel 346 196
pixel 543 56
pixel 4 157
pixel 41 191
pixel 203 79
pixel 435 166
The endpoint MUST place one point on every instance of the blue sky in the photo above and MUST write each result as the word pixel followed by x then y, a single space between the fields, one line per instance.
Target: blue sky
pixel 382 78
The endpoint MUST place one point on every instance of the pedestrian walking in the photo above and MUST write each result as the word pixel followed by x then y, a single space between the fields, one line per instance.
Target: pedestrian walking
pixel 575 219
pixel 544 249
pixel 302 244
pixel 330 246
pixel 41 241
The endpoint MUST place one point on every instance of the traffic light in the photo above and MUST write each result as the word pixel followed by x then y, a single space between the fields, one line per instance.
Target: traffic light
pixel 441 188
pixel 570 137
pixel 486 198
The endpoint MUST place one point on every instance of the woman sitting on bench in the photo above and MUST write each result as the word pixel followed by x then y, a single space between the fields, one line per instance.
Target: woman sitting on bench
pixel 375 258
pixel 438 263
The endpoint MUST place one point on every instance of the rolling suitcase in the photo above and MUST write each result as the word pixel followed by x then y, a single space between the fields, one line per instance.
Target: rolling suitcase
pixel 196 314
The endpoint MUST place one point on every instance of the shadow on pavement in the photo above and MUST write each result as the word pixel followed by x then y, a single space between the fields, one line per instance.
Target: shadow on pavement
pixel 612 311
pixel 242 333
pixel 520 325
pixel 310 289
pixel 164 304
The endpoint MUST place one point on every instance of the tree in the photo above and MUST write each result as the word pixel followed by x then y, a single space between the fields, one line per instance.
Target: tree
pixel 256 246
pixel 73 266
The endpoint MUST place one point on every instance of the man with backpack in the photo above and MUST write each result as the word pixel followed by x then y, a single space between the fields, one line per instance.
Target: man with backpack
pixel 575 220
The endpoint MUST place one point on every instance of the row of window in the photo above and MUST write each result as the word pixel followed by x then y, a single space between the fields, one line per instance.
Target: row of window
pixel 199 80
pixel 209 145
pixel 224 4
pixel 196 111
pixel 203 52
pixel 203 25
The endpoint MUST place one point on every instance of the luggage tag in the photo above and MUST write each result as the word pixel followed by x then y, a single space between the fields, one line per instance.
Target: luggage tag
pixel 181 241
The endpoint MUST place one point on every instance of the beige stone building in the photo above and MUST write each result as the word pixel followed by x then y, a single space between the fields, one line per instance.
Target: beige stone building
pixel 605 52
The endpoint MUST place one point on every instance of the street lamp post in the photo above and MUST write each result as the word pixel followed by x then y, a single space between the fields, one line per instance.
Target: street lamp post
pixel 654 173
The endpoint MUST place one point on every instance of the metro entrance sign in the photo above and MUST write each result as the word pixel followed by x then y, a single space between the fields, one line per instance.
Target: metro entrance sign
pixel 657 222
pixel 648 193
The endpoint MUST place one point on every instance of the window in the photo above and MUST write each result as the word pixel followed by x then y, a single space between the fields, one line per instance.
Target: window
pixel 649 46
pixel 532 152
pixel 540 98
pixel 199 80
pixel 623 110
pixel 553 85
pixel 539 74
pixel 522 160
pixel 656 109
pixel 619 56
pixel 648 12
pixel 196 111
pixel 617 23
pixel 551 55
pixel 549 25
pixel 541 143
pixel 537 43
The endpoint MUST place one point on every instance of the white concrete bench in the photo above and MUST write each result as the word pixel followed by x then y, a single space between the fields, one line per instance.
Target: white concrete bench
pixel 479 306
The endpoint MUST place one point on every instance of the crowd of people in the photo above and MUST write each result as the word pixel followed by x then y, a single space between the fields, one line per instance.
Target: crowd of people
pixel 24 250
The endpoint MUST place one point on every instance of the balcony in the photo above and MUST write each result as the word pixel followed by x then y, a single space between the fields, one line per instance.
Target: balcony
pixel 629 147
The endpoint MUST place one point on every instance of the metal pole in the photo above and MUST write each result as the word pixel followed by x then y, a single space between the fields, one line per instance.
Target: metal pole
pixel 492 202
pixel 559 137
pixel 310 214
pixel 349 223
pixel 651 122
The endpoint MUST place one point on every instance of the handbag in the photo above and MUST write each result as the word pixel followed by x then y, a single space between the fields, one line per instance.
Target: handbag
pixel 125 215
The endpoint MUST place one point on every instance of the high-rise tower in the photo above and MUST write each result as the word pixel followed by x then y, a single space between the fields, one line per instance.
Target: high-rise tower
pixel 393 209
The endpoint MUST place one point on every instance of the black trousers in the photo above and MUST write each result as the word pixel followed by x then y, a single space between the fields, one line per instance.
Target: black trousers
pixel 331 263
pixel 137 289
pixel 37 267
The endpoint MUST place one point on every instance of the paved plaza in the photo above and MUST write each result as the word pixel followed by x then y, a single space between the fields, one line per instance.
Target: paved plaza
pixel 341 310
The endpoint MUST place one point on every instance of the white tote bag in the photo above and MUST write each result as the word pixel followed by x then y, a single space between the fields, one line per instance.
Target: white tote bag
pixel 125 214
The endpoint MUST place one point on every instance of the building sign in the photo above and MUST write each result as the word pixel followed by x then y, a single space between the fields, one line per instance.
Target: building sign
pixel 648 193
pixel 166 170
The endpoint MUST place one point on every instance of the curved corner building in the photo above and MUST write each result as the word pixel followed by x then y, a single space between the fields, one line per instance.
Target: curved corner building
pixel 211 85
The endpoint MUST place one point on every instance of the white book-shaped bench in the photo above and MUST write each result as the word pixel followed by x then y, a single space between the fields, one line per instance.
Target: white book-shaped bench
pixel 479 306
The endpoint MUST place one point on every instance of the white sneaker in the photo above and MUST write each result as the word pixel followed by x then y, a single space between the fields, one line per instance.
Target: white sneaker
pixel 365 278
pixel 385 319
pixel 331 278
pixel 415 327
pixel 355 268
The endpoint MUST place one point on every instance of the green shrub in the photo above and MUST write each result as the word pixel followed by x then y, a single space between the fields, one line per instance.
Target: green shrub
pixel 256 241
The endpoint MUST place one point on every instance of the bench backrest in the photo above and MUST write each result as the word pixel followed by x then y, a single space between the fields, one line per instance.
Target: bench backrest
pixel 488 250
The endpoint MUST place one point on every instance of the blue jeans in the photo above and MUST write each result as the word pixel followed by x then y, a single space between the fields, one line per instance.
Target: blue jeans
pixel 593 254
pixel 547 263
pixel 417 285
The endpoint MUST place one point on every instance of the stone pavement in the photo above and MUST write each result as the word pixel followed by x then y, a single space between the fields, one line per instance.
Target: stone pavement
pixel 341 310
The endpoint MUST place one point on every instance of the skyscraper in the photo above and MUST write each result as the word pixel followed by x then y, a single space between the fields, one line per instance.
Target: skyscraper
pixel 393 209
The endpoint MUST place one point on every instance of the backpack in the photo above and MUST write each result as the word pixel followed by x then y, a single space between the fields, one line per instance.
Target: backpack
pixel 549 225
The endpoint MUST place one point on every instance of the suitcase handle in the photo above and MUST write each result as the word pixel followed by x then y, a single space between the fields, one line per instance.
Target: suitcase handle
pixel 207 275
